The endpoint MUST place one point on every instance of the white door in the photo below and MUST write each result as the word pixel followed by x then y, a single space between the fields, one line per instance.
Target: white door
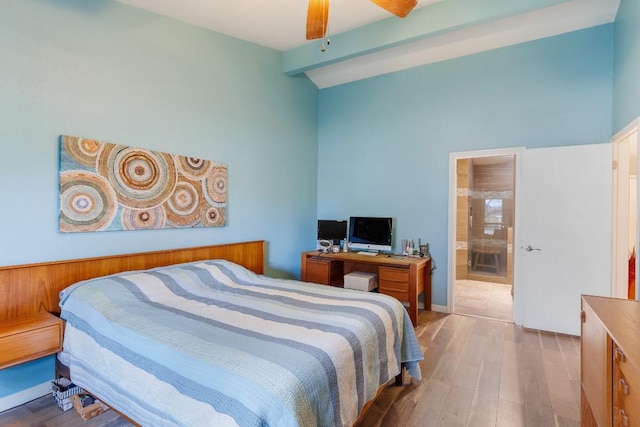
pixel 563 241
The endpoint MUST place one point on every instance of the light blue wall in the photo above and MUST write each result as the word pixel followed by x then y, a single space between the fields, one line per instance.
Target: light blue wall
pixel 626 87
pixel 25 376
pixel 103 70
pixel 384 143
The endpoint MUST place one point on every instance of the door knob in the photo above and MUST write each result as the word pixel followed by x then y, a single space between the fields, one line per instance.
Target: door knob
pixel 530 248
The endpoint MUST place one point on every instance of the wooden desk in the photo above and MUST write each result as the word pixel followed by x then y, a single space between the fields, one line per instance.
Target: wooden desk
pixel 402 277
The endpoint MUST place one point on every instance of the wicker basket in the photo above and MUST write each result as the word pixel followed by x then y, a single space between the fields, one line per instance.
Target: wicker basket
pixel 62 389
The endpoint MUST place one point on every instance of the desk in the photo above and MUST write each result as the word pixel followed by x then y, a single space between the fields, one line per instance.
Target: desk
pixel 404 278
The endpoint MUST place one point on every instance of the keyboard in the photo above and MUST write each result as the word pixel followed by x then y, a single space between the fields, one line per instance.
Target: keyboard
pixel 368 253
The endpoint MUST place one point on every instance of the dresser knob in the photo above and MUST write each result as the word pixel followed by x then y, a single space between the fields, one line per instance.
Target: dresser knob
pixel 620 357
pixel 623 386
pixel 623 420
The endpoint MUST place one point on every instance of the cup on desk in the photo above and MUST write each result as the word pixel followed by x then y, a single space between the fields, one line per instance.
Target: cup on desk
pixel 424 250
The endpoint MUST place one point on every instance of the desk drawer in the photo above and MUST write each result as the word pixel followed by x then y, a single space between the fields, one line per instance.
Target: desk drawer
pixel 400 296
pixel 323 271
pixel 393 279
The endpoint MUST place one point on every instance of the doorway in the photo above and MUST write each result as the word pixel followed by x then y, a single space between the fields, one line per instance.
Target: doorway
pixel 561 248
pixel 485 217
pixel 625 212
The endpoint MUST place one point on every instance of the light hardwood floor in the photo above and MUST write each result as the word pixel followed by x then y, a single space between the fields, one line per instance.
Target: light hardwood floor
pixel 476 372
pixel 484 299
pixel 479 372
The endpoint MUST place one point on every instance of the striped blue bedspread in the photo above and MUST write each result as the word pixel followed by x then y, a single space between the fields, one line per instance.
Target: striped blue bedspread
pixel 211 343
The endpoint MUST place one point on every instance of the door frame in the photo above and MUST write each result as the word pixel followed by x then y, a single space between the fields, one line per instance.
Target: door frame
pixel 453 206
pixel 617 266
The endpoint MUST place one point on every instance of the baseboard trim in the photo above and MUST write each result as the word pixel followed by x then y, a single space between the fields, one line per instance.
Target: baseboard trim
pixel 434 307
pixel 25 396
pixel 439 308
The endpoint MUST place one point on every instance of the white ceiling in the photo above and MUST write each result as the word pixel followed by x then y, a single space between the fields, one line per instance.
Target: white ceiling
pixel 280 25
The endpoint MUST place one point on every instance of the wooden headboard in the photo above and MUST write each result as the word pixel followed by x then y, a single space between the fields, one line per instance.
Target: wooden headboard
pixel 30 288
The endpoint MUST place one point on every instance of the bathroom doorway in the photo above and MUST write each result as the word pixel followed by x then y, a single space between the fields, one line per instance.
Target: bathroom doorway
pixel 485 217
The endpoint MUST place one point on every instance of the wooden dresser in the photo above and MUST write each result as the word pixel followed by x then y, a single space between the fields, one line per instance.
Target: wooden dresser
pixel 610 362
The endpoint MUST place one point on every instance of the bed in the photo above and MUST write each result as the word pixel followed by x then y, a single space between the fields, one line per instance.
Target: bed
pixel 211 341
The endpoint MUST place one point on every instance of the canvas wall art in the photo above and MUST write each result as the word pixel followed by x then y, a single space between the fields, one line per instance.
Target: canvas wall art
pixel 107 187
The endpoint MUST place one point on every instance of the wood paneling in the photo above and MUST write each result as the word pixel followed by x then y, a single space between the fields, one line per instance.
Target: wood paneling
pixel 492 180
pixel 494 176
pixel 31 288
pixel 463 182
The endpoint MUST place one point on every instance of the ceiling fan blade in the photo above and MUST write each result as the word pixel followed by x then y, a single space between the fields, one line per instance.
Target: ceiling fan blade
pixel 399 8
pixel 317 18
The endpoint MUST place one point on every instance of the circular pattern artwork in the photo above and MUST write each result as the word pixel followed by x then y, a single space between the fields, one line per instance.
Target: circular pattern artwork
pixel 182 208
pixel 212 216
pixel 193 168
pixel 145 219
pixel 84 151
pixel 216 185
pixel 141 178
pixel 87 202
pixel 105 186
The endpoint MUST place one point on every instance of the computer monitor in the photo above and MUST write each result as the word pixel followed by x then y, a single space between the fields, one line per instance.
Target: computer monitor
pixel 370 233
pixel 332 230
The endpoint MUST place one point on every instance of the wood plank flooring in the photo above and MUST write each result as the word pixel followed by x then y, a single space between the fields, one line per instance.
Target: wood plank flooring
pixel 484 299
pixel 480 372
pixel 477 372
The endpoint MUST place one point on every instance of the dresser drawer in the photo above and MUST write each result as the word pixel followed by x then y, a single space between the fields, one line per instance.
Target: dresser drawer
pixel 29 338
pixel 626 390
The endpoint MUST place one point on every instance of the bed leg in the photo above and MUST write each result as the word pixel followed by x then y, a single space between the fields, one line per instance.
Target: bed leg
pixel 62 370
pixel 400 376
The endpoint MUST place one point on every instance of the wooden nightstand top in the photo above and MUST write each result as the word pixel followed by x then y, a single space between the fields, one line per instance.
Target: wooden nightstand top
pixel 27 338
pixel 21 324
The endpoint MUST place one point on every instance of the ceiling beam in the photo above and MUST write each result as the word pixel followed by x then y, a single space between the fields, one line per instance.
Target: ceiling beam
pixel 429 21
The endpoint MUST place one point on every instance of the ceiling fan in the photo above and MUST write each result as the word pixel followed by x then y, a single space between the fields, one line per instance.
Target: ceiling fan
pixel 318 14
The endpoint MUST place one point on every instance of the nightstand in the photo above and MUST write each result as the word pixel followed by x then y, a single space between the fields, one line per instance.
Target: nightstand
pixel 29 337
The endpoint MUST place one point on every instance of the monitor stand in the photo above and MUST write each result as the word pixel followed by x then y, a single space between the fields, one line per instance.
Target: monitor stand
pixel 368 253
